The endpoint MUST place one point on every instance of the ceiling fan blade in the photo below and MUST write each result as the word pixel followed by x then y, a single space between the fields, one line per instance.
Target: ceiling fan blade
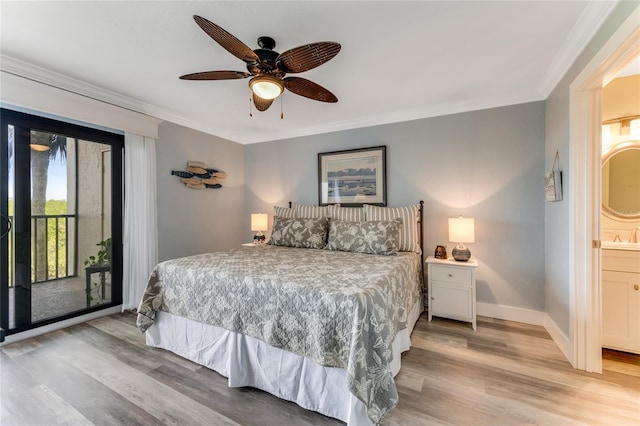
pixel 261 104
pixel 215 75
pixel 309 89
pixel 226 40
pixel 309 56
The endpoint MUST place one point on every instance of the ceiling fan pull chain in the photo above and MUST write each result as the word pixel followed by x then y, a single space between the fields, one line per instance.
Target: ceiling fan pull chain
pixel 250 107
pixel 281 101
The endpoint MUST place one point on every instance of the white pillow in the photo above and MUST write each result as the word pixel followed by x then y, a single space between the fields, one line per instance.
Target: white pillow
pixel 309 211
pixel 284 212
pixel 348 214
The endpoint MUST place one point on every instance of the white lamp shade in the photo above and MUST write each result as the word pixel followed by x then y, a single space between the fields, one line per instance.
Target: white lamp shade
pixel 462 230
pixel 259 221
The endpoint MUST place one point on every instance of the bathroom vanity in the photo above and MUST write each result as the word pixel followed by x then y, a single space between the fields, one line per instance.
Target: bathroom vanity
pixel 621 296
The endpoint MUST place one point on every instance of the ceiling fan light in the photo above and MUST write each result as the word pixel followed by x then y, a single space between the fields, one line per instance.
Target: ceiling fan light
pixel 266 87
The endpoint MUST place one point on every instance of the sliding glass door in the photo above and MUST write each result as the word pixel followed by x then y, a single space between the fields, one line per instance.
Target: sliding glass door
pixel 60 220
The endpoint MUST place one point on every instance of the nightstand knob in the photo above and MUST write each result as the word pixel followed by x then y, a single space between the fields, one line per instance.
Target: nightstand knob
pixel 636 287
pixel 450 276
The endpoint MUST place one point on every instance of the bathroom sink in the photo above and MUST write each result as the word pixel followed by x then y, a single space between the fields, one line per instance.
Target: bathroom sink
pixel 620 246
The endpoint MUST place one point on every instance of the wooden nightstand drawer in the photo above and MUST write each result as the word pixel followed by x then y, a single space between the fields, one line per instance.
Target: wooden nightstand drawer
pixel 451 275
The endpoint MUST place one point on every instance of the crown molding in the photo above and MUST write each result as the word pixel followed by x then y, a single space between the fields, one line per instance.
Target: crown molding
pixel 400 116
pixel 45 76
pixel 590 21
pixel 51 78
pixel 60 81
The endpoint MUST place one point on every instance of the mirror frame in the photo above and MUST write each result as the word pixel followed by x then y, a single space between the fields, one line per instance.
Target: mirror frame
pixel 616 149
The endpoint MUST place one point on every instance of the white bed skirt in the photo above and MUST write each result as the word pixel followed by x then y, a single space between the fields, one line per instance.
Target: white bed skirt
pixel 247 361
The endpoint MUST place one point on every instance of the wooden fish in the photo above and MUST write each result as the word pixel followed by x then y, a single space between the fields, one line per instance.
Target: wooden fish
pixel 199 176
pixel 191 181
pixel 198 186
pixel 220 175
pixel 199 171
pixel 181 173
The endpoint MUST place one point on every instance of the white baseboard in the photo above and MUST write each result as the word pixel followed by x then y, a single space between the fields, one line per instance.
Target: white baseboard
pixel 59 325
pixel 529 316
pixel 560 339
pixel 510 313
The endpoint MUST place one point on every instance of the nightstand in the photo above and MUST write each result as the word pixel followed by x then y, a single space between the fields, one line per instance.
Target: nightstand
pixel 452 289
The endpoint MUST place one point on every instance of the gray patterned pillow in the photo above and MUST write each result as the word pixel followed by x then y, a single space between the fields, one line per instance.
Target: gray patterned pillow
pixel 299 232
pixel 409 239
pixel 373 237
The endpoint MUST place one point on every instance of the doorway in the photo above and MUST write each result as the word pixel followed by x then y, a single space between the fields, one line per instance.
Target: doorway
pixel 61 227
pixel 585 198
pixel 620 220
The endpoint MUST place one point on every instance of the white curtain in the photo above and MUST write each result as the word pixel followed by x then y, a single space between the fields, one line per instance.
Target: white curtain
pixel 140 252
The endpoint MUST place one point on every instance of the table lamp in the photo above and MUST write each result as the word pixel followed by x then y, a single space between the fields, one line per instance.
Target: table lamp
pixel 259 224
pixel 461 230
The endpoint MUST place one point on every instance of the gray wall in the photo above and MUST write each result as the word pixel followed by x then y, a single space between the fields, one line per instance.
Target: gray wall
pixel 485 164
pixel 198 221
pixel 557 216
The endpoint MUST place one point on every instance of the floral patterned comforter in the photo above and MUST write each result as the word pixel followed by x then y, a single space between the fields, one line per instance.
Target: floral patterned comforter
pixel 340 309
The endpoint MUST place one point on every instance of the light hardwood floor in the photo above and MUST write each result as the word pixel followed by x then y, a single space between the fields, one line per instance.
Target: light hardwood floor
pixel 504 373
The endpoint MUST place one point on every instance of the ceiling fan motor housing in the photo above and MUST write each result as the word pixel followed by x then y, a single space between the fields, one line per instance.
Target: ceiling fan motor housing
pixel 266 63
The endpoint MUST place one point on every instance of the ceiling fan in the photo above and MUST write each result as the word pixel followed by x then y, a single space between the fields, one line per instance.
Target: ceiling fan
pixel 268 68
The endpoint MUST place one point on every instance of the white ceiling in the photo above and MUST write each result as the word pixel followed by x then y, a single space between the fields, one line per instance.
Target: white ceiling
pixel 399 60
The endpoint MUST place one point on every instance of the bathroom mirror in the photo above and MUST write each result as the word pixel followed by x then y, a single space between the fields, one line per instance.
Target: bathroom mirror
pixel 621 181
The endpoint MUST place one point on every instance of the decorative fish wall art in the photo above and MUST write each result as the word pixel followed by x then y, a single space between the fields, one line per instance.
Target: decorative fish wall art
pixel 199 176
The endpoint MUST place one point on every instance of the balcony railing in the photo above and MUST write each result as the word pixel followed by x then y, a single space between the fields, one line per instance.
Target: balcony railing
pixel 52 248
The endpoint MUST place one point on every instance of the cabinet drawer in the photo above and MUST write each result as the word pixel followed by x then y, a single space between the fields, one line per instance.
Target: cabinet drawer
pixel 449 274
pixel 621 260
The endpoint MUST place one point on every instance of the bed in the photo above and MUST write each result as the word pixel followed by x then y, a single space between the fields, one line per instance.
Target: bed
pixel 318 317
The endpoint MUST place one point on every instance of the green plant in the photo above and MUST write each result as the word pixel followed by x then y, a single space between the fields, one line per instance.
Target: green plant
pixel 104 254
pixel 103 258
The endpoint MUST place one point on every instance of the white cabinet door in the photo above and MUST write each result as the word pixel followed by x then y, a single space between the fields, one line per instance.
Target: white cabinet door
pixel 452 301
pixel 621 311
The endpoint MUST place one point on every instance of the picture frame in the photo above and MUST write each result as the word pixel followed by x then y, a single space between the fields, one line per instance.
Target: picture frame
pixel 553 182
pixel 353 177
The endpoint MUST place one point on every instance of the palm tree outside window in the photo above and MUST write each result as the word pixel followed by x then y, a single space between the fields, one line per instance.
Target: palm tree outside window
pixel 41 159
